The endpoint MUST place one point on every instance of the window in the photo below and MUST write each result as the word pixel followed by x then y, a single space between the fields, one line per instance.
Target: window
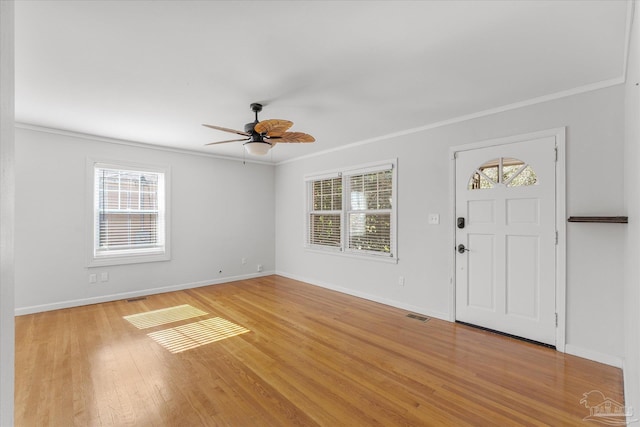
pixel 353 211
pixel 129 214
pixel 369 212
pixel 326 212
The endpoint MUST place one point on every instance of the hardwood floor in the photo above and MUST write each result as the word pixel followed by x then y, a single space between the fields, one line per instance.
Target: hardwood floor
pixel 311 357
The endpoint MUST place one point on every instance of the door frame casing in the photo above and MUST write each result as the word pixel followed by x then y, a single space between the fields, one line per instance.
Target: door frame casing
pixel 560 198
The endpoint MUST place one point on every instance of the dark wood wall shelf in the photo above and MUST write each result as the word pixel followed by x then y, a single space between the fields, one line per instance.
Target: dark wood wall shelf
pixel 600 219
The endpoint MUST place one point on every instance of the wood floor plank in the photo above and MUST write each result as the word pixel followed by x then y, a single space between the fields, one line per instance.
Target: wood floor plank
pixel 312 357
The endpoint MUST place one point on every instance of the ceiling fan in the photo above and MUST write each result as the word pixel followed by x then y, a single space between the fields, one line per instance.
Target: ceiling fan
pixel 261 136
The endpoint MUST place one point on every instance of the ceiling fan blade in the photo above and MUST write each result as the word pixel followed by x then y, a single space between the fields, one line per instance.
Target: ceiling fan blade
pixel 292 137
pixel 273 127
pixel 230 140
pixel 239 132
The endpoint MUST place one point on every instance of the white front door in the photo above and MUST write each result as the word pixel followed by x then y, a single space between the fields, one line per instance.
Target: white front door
pixel 506 248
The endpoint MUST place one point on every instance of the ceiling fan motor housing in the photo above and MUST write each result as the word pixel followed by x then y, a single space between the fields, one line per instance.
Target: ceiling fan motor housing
pixel 255 136
pixel 249 127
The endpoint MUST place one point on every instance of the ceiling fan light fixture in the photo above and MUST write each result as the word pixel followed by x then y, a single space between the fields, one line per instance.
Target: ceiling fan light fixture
pixel 257 148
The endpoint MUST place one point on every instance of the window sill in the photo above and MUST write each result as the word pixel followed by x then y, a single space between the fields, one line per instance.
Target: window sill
pixel 365 257
pixel 127 259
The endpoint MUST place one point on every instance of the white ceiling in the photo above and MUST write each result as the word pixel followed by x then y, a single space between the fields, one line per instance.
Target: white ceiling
pixel 343 71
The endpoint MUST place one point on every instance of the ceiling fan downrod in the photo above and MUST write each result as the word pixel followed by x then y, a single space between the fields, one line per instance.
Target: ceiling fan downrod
pixel 256 108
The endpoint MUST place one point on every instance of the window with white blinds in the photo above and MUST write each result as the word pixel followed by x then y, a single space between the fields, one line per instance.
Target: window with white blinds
pixel 325 217
pixel 129 214
pixel 353 211
pixel 370 211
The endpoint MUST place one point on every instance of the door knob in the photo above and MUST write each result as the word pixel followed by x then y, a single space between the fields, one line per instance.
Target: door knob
pixel 462 249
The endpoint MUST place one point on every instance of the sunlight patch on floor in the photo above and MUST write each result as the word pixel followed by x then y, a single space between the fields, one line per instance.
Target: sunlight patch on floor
pixel 163 316
pixel 195 334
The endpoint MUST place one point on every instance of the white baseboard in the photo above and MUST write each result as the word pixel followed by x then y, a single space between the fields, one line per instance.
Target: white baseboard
pixel 630 389
pixel 370 297
pixel 607 359
pixel 126 295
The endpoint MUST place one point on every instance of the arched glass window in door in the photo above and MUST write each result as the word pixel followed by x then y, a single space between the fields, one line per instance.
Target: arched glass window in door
pixel 505 171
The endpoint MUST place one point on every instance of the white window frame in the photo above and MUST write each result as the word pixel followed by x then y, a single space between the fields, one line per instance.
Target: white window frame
pixel 310 211
pixel 97 258
pixel 345 174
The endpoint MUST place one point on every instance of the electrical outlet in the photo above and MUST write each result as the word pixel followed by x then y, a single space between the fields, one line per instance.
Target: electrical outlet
pixel 434 218
pixel 93 278
pixel 401 280
pixel 244 261
pixel 259 268
pixel 104 277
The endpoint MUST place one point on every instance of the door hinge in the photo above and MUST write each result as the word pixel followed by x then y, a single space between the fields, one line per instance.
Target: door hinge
pixel 556 320
pixel 556 237
pixel 556 150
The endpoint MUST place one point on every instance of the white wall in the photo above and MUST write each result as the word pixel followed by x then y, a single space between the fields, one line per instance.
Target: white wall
pixel 221 211
pixel 6 214
pixel 632 193
pixel 594 122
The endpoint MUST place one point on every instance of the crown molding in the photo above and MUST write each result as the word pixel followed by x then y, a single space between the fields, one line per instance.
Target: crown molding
pixel 143 145
pixel 533 101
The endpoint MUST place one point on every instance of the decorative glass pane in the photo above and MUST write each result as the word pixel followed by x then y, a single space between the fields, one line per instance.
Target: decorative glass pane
pixel 478 181
pixel 505 170
pixel 510 167
pixel 491 173
pixel 524 178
